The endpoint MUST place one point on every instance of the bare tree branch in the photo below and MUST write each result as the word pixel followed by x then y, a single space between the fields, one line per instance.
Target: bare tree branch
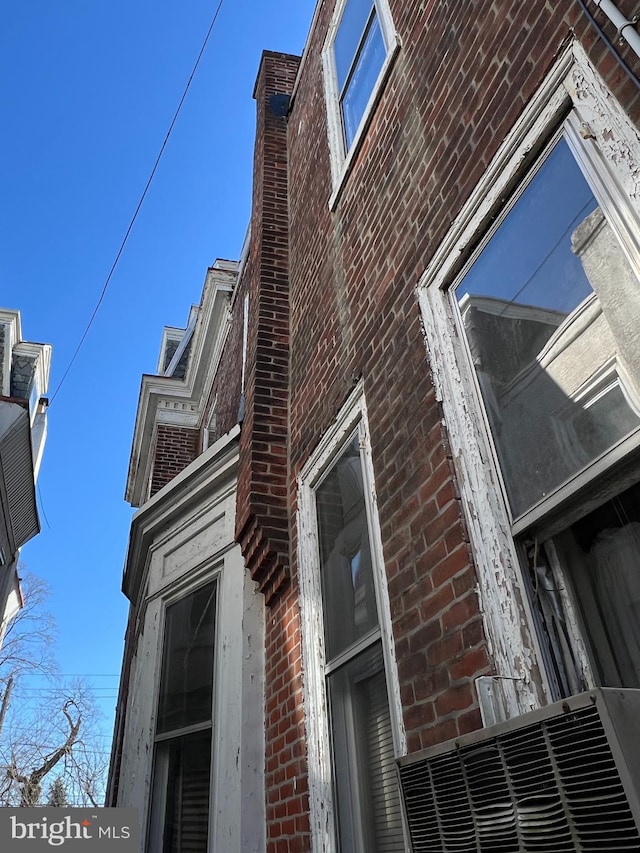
pixel 31 784
pixel 44 727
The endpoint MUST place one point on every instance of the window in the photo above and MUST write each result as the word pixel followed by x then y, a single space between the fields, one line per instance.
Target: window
pixel 211 430
pixel 353 681
pixel 548 308
pixel 181 783
pixel 356 55
pixel 544 312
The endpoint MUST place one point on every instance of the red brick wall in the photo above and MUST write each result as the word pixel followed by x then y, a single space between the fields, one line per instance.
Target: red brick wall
pixel 348 310
pixel 175 448
pixel 285 759
pixel 262 522
pixel 262 525
pixel 462 77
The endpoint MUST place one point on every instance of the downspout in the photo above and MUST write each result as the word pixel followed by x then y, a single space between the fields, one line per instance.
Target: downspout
pixel 626 28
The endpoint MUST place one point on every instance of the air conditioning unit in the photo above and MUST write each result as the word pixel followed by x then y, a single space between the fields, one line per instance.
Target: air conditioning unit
pixel 563 778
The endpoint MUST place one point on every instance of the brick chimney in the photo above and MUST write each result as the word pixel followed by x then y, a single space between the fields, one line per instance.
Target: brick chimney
pixel 262 524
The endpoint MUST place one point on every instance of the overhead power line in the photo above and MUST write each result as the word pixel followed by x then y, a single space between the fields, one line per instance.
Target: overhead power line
pixel 139 205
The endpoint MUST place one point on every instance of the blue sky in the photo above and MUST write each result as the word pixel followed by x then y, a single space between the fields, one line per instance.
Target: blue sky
pixel 88 92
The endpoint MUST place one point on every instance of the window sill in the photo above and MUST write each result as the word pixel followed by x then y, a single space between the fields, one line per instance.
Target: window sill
pixel 344 169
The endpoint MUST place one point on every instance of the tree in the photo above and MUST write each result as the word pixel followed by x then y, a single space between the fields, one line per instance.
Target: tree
pixel 57 793
pixel 48 728
pixel 59 732
pixel 30 784
pixel 29 640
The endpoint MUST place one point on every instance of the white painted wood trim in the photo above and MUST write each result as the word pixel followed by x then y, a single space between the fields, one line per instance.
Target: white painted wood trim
pixel 511 644
pixel 382 590
pixel 315 699
pixel 352 416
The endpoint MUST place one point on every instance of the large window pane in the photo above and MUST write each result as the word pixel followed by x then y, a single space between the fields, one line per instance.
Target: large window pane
pixel 186 684
pixel 345 556
pixel 367 797
pixel 549 310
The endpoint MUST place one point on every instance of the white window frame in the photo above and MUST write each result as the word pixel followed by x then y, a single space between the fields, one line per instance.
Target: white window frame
pixel 341 159
pixel 230 720
pixel 606 144
pixel 159 780
pixel 353 416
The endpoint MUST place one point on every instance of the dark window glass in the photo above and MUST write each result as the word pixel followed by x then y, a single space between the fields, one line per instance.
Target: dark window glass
pixel 186 825
pixel 347 577
pixel 186 684
pixel 548 310
pixel 364 767
pixel 359 51
pixel 601 553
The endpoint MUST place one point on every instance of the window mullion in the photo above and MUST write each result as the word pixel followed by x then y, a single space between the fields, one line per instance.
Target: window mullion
pixel 187 730
pixel 353 651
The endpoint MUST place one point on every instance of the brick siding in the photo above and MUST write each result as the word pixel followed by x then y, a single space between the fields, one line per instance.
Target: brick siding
pixel 262 526
pixel 175 448
pixel 462 77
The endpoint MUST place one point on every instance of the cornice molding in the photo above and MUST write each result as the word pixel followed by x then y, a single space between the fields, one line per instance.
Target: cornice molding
pixel 41 354
pixel 180 402
pixel 213 472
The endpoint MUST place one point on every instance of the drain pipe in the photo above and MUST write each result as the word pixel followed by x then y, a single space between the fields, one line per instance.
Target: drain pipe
pixel 626 28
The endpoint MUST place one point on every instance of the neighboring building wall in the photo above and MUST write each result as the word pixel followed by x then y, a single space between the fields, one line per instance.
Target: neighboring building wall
pixel 174 406
pixel 182 546
pixel 24 381
pixel 181 539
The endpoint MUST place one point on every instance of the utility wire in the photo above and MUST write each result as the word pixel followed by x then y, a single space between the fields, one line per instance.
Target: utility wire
pixel 44 514
pixel 609 44
pixel 142 198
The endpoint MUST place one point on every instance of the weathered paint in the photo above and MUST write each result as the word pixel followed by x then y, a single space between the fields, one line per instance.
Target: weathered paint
pixel 352 415
pixel 572 84
pixel 187 536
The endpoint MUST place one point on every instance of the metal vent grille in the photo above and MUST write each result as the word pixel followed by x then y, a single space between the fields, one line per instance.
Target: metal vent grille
pixel 550 787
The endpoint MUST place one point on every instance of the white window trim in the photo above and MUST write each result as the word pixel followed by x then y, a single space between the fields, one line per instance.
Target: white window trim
pixel 341 160
pixel 226 789
pixel 574 85
pixel 322 810
pixel 173 596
